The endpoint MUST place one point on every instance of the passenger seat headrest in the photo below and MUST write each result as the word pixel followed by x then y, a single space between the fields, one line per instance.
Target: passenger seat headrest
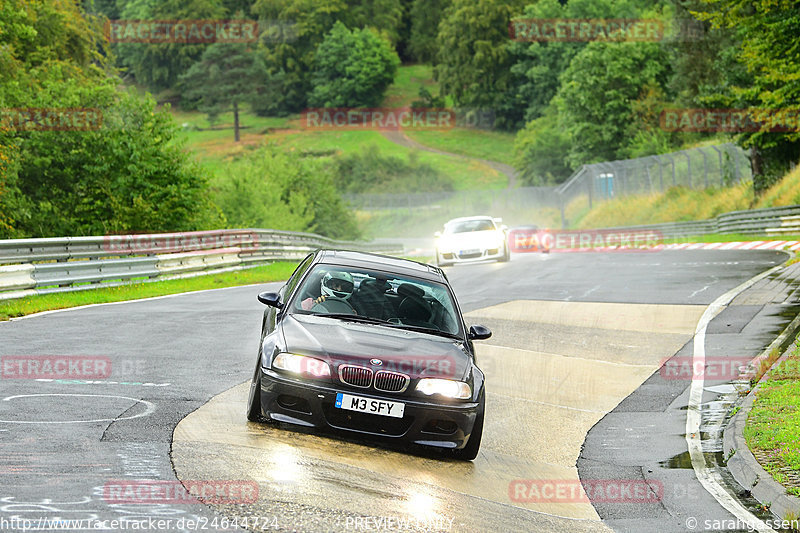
pixel 407 289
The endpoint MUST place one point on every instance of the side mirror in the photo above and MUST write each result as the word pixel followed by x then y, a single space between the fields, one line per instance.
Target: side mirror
pixel 479 333
pixel 272 299
pixel 504 228
pixel 437 234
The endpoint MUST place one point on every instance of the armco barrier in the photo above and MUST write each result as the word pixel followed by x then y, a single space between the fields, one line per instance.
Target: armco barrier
pixel 769 221
pixel 39 266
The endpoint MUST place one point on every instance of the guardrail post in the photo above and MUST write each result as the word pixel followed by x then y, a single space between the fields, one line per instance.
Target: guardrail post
pixel 688 167
pixel 705 166
pixel 721 170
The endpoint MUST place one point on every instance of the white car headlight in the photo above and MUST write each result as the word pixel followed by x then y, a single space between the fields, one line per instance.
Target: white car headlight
pixel 302 365
pixel 445 244
pixel 445 387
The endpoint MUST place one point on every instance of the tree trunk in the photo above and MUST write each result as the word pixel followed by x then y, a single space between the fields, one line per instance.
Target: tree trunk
pixel 236 121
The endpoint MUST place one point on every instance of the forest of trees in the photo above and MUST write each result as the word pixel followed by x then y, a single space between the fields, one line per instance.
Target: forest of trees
pixel 569 103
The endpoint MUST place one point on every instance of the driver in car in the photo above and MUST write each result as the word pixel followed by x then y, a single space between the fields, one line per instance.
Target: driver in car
pixel 336 285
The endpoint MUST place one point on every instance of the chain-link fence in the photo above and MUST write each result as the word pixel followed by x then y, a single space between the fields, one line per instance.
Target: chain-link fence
pixel 418 214
pixel 697 168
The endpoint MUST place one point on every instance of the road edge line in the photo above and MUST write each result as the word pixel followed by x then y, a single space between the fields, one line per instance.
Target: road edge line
pixel 706 475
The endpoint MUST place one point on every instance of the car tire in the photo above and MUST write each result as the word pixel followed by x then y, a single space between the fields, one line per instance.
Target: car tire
pixel 470 451
pixel 254 402
pixel 506 255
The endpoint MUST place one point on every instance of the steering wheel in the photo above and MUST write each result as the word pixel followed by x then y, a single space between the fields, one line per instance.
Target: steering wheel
pixel 334 305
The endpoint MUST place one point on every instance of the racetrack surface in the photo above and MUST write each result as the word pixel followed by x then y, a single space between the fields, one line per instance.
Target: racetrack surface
pixel 575 334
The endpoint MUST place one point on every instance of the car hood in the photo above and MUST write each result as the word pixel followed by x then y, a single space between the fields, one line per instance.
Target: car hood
pixel 471 239
pixel 341 342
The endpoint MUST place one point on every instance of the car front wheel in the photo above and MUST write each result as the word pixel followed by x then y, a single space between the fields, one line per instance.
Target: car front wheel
pixel 254 402
pixel 470 451
pixel 506 254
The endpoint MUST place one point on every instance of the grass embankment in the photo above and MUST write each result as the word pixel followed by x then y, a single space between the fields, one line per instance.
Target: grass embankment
pixel 774 423
pixel 483 144
pixel 46 302
pixel 465 174
pixel 214 145
pixel 682 204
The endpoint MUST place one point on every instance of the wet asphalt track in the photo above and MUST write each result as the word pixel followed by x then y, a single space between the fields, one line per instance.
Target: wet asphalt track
pixel 63 443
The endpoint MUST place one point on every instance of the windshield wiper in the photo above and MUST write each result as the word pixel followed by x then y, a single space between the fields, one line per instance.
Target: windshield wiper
pixel 423 329
pixel 380 321
pixel 355 318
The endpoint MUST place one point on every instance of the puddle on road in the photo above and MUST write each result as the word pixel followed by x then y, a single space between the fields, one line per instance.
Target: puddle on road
pixel 683 460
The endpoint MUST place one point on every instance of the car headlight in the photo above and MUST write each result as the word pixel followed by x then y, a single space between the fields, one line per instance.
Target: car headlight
pixel 445 387
pixel 302 365
pixel 444 244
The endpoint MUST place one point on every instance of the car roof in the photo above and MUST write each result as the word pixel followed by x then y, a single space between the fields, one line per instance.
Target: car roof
pixel 462 219
pixel 380 262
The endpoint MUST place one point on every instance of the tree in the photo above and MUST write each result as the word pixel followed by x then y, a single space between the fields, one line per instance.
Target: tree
pixel 474 61
pixel 352 69
pixel 158 66
pixel 290 61
pixel 596 95
pixel 124 173
pixel 282 190
pixel 425 17
pixel 227 75
pixel 768 33
pixel 541 150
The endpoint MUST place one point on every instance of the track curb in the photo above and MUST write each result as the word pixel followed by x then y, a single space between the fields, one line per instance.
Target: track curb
pixel 742 464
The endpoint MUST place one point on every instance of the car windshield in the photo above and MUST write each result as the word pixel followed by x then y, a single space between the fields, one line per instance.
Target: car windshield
pixel 466 226
pixel 380 297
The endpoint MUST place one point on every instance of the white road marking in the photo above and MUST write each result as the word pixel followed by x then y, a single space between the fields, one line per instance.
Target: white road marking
pixel 150 408
pixel 707 476
pixel 67 309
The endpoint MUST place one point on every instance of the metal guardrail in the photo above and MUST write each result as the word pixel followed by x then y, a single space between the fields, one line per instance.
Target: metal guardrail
pixel 769 221
pixel 40 266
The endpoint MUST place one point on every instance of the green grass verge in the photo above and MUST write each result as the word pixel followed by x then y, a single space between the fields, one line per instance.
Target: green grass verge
pixel 470 142
pixel 466 175
pixel 733 237
pixel 774 422
pixel 46 302
pixel 407 81
pixel 675 205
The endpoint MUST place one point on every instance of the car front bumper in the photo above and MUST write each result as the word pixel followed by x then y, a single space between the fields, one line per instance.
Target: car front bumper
pixel 459 256
pixel 311 404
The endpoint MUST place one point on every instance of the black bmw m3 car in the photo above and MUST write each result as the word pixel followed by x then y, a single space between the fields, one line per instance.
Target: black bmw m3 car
pixel 372 345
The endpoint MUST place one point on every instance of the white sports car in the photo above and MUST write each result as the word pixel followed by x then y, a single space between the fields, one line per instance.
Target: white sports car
pixel 472 239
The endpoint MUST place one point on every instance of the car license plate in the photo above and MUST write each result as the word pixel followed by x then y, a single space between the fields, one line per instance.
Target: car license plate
pixel 469 252
pixel 369 405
